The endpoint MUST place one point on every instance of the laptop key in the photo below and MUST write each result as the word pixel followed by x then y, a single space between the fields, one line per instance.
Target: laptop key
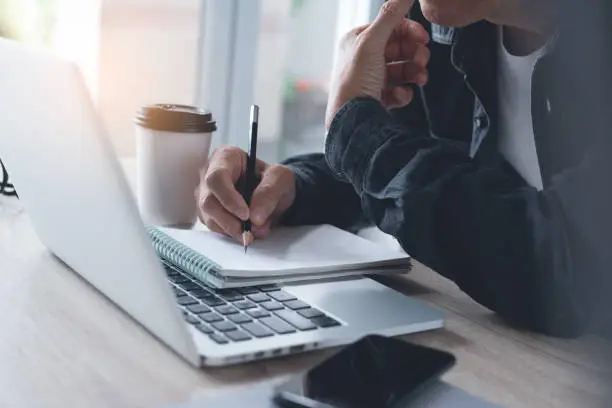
pixel 204 328
pixel 178 279
pixel 257 330
pixel 224 326
pixel 189 286
pixel 271 305
pixel 191 319
pixel 310 312
pixel 212 301
pixel 281 296
pixel 297 321
pixel 186 300
pixel 230 295
pixel 248 290
pixel 278 325
pixel 178 292
pixel 296 304
pixel 170 271
pixel 245 304
pixel 239 318
pixel 258 297
pixel 325 321
pixel 268 288
pixel 218 338
pixel 211 317
pixel 201 292
pixel 238 335
pixel 227 309
pixel 258 313
pixel 199 308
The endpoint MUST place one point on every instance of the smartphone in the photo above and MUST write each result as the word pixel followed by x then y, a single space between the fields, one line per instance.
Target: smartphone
pixel 374 372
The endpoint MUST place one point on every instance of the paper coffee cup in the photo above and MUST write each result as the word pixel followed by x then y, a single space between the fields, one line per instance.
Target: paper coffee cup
pixel 172 145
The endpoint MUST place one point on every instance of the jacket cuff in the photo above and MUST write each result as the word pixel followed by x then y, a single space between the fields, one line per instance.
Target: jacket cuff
pixel 355 134
pixel 297 213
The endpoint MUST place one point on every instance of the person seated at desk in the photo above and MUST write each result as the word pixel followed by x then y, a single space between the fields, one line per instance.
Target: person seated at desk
pixel 449 168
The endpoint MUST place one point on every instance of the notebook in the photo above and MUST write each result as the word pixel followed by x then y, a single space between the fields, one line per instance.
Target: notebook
pixel 289 254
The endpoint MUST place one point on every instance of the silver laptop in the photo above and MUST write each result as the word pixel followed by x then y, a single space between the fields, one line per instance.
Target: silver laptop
pixel 73 188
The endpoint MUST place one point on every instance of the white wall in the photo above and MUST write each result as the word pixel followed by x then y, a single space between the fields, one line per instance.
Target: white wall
pixel 76 36
pixel 146 51
pixel 148 54
pixel 301 47
pixel 313 40
pixel 271 65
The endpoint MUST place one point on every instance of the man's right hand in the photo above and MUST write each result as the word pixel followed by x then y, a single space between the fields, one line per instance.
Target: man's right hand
pixel 221 206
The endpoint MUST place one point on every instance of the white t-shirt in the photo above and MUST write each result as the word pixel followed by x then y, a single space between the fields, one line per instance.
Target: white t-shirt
pixel 517 141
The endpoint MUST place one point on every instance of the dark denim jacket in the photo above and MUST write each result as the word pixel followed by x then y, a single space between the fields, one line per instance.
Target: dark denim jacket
pixel 431 176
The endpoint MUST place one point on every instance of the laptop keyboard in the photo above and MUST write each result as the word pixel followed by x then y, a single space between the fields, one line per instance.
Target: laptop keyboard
pixel 236 315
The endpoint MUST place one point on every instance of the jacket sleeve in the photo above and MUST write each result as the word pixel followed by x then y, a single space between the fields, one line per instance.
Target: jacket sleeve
pixel 320 197
pixel 532 256
pixel 323 198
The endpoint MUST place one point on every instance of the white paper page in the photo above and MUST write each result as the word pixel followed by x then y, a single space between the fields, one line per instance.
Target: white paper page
pixel 296 249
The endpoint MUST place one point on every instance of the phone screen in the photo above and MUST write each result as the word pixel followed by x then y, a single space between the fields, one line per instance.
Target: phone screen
pixel 374 372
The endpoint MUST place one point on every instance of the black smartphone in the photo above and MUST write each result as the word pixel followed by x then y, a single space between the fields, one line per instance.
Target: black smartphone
pixel 374 372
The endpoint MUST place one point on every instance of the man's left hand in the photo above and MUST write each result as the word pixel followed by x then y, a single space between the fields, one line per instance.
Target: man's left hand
pixel 377 59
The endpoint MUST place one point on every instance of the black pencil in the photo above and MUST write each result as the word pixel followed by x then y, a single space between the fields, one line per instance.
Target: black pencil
pixel 250 176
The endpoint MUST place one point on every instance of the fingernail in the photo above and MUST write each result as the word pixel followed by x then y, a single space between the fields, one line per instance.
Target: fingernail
pixel 243 213
pixel 422 79
pixel 261 232
pixel 258 217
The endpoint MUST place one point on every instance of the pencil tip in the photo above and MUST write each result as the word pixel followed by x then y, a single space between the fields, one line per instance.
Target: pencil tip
pixel 247 239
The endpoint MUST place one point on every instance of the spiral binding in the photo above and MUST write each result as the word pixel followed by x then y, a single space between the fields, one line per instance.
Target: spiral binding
pixel 182 256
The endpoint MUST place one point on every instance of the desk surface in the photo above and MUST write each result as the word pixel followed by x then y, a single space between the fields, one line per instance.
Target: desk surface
pixel 63 344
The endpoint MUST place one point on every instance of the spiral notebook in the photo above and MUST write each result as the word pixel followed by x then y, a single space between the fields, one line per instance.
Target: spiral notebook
pixel 288 255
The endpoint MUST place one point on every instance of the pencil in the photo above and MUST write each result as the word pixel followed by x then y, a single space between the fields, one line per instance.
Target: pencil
pixel 249 182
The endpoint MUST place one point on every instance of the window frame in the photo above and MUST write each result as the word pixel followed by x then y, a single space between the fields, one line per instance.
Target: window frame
pixel 229 37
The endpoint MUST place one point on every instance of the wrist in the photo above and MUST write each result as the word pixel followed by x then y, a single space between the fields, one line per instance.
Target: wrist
pixel 340 99
pixel 289 214
pixel 355 133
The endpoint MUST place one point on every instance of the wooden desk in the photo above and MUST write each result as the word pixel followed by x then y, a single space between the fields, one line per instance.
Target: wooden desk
pixel 62 344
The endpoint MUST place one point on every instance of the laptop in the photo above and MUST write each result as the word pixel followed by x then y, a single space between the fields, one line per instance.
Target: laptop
pixel 72 186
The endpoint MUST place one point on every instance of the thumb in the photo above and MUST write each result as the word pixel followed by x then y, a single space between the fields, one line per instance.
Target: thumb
pixel 390 16
pixel 267 196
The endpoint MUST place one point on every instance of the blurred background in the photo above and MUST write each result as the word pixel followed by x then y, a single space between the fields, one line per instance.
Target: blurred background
pixel 221 54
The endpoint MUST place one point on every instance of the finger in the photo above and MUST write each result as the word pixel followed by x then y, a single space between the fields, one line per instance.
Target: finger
pixel 219 182
pixel 357 30
pixel 268 194
pixel 410 30
pixel 398 97
pixel 407 51
pixel 229 158
pixel 214 227
pixel 213 211
pixel 260 166
pixel 405 40
pixel 421 56
pixel 262 231
pixel 390 16
pixel 406 73
pixel 226 166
